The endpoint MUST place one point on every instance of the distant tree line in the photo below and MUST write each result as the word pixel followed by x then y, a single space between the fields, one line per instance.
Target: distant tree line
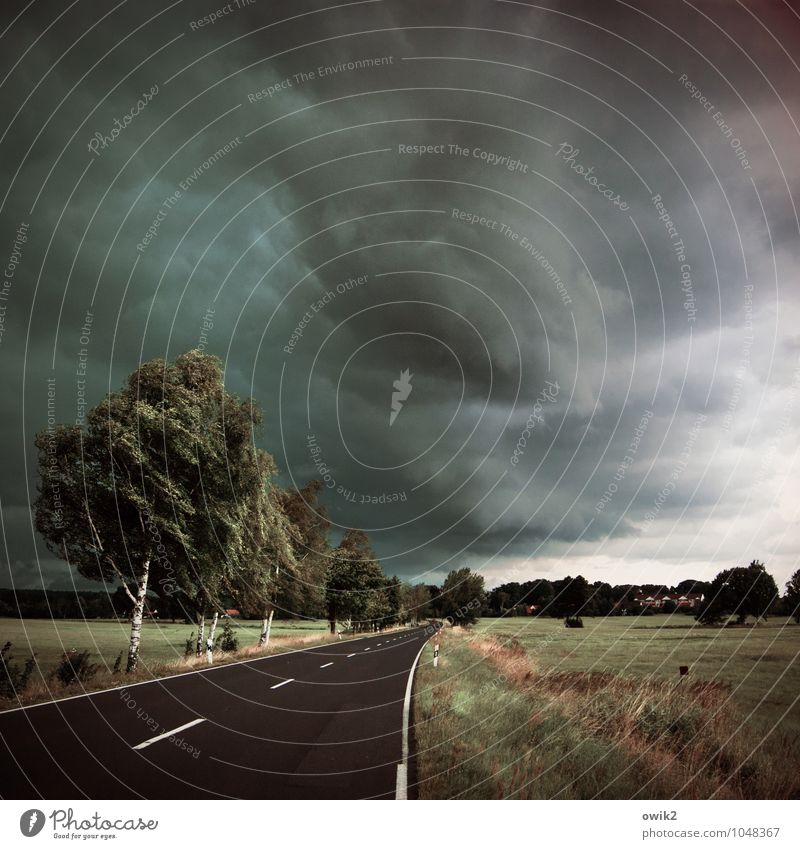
pixel 62 604
pixel 736 593
pixel 573 596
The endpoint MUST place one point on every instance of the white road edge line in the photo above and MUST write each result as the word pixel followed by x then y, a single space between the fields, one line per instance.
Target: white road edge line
pixel 401 787
pixel 287 681
pixel 326 664
pixel 168 733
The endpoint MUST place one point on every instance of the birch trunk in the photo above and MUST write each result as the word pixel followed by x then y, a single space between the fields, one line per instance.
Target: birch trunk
pixel 213 629
pixel 266 626
pixel 201 633
pixel 137 616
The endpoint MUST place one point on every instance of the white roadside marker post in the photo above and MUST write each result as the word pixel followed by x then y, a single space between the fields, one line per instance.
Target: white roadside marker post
pixel 436 655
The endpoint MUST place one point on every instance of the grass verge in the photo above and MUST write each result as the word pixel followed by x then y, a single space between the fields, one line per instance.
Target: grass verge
pixel 491 722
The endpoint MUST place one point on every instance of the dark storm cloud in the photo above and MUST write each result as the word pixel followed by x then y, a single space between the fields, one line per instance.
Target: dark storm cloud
pixel 555 283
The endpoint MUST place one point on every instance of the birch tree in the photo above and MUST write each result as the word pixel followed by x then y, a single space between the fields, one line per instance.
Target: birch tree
pixel 308 528
pixel 105 502
pixel 155 491
pixel 269 576
pixel 224 473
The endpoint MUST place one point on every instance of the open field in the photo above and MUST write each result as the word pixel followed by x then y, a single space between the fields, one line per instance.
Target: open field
pixel 761 664
pixel 526 708
pixel 162 642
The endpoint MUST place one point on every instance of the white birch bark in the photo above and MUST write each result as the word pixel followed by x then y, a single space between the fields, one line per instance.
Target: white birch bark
pixel 266 627
pixel 201 633
pixel 211 632
pixel 137 616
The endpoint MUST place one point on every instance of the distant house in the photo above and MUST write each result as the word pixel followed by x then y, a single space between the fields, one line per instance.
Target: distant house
pixel 689 601
pixel 233 613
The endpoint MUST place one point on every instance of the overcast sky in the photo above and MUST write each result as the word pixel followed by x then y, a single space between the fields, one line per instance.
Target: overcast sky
pixel 574 224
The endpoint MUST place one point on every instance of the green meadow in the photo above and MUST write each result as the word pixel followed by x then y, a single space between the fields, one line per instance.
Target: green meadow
pixel 760 663
pixel 162 642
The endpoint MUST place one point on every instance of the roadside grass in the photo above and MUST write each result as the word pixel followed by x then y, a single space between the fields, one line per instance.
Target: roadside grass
pixel 760 664
pixel 494 722
pixel 162 655
pixel 162 642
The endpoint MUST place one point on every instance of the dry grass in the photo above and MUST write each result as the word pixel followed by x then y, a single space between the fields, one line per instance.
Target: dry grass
pixel 493 723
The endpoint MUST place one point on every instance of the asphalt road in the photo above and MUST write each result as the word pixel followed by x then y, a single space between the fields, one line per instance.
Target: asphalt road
pixel 322 723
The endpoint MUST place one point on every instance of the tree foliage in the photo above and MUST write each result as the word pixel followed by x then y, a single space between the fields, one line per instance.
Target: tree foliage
pixel 570 597
pixel 462 596
pixel 308 529
pixel 155 492
pixel 356 587
pixel 792 597
pixel 741 592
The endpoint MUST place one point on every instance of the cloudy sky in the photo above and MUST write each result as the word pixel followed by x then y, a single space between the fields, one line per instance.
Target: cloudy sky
pixel 574 225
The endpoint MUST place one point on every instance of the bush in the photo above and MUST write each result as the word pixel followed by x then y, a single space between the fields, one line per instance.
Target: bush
pixel 13 679
pixel 75 667
pixel 118 663
pixel 189 648
pixel 573 622
pixel 228 641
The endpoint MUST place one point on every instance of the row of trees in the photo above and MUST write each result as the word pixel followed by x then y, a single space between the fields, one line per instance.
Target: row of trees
pixel 164 494
pixel 561 597
pixel 62 604
pixel 738 592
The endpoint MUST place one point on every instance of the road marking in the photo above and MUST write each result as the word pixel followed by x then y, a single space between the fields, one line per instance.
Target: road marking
pixel 326 664
pixel 401 784
pixel 367 648
pixel 287 681
pixel 160 682
pixel 168 734
pixel 351 655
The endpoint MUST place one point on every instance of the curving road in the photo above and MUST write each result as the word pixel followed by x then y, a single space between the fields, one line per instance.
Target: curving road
pixel 320 723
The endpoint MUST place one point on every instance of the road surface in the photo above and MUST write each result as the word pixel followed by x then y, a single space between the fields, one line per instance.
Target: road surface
pixel 321 723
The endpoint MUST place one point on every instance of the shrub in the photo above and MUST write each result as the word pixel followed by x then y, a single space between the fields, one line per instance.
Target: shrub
pixel 189 647
pixel 118 663
pixel 13 678
pixel 228 641
pixel 75 667
pixel 573 622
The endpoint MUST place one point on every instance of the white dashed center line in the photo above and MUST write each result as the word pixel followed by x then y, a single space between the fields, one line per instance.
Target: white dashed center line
pixel 326 664
pixel 351 655
pixel 287 681
pixel 168 734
